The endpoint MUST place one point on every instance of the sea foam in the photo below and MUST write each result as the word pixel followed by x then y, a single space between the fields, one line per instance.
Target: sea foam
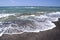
pixel 29 24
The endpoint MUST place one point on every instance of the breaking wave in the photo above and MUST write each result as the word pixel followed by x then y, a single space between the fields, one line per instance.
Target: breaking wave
pixel 5 15
pixel 27 23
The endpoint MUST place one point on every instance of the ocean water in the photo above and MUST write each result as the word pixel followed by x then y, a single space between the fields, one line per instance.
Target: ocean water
pixel 20 19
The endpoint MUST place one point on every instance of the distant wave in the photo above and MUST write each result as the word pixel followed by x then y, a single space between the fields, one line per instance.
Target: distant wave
pixel 28 23
pixel 30 7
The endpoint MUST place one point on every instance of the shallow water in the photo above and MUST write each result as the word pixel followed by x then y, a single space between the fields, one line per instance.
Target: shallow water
pixel 27 23
pixel 31 20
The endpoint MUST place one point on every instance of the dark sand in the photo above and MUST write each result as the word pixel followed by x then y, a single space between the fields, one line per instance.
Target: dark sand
pixel 53 34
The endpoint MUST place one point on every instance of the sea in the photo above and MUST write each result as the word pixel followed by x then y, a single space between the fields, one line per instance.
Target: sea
pixel 20 19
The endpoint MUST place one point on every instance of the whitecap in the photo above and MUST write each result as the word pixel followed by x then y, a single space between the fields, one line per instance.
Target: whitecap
pixel 54 15
pixel 5 15
pixel 29 7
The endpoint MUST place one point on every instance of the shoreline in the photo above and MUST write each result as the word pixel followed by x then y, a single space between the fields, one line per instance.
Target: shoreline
pixel 52 34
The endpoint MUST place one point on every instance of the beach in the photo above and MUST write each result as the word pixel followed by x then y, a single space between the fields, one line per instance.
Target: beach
pixel 53 34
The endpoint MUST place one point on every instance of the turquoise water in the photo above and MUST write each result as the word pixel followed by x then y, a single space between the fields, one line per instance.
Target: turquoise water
pixel 27 9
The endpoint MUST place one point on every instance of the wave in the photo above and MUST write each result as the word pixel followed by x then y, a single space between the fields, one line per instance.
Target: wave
pixel 54 14
pixel 5 15
pixel 30 7
pixel 28 23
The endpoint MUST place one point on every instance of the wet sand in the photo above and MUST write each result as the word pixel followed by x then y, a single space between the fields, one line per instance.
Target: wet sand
pixel 53 34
